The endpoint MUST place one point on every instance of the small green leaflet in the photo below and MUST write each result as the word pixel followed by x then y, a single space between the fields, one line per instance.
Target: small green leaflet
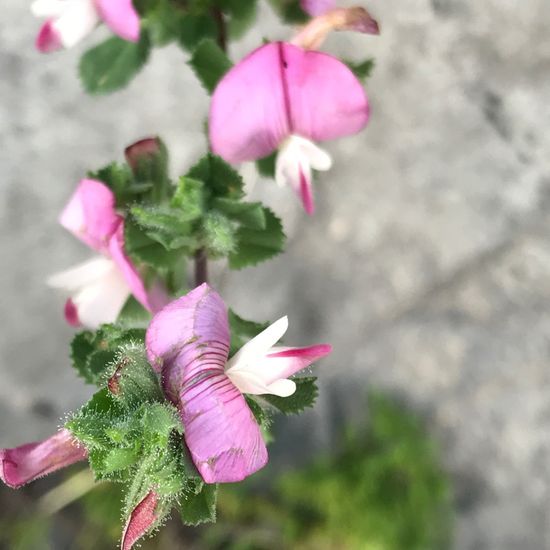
pixel 209 63
pixel 220 179
pixel 254 246
pixel 111 65
pixel 199 505
pixel 304 397
pixel 195 28
pixel 363 69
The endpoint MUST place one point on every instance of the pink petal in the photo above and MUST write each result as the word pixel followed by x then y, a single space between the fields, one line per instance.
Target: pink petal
pixel 153 300
pixel 71 314
pixel 90 214
pixel 279 90
pixel 289 361
pixel 22 464
pixel 48 39
pixel 189 341
pixel 141 520
pixel 121 17
pixel 317 7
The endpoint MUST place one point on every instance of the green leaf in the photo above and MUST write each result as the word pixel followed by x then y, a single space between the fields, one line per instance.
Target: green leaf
pixel 304 397
pixel 119 459
pixel 199 506
pixel 290 11
pixel 255 246
pixel 164 22
pixel 133 314
pixel 210 63
pixel 248 214
pixel 189 198
pixel 220 179
pixel 218 235
pixel 266 165
pixel 111 65
pixel 240 14
pixel 146 250
pixel 195 28
pixel 242 331
pixel 119 179
pixel 363 69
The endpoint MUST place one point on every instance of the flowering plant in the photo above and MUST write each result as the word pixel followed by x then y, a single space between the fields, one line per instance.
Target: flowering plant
pixel 186 388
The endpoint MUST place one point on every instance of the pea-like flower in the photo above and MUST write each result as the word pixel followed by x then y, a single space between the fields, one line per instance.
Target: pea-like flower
pixel 28 462
pixel 69 21
pixel 282 97
pixel 188 343
pixel 99 287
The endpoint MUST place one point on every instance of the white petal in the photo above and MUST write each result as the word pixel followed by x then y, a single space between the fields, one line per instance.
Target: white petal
pixel 82 274
pixel 252 352
pixel 48 8
pixel 287 164
pixel 317 158
pixel 248 382
pixel 78 19
pixel 101 301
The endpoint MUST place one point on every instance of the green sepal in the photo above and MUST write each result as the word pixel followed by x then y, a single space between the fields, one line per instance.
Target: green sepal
pixel 210 63
pixel 218 235
pixel 198 504
pixel 362 70
pixel 242 331
pixel 305 395
pixel 112 65
pixel 254 246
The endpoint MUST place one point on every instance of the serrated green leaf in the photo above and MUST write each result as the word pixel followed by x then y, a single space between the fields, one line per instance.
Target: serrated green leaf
pixel 189 198
pixel 111 65
pixel 242 331
pixel 199 507
pixel 133 314
pixel 119 459
pixel 304 397
pixel 210 63
pixel 248 214
pixel 164 22
pixel 119 179
pixel 220 178
pixel 254 246
pixel 81 348
pixel 196 28
pixel 363 69
pixel 159 420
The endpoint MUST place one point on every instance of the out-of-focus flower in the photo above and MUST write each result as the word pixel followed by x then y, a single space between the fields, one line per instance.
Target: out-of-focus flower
pixel 28 462
pixel 317 7
pixel 313 34
pixel 99 287
pixel 188 342
pixel 284 97
pixel 69 21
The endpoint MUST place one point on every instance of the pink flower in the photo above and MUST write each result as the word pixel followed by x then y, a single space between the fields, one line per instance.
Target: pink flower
pixel 188 342
pixel 100 286
pixel 317 7
pixel 283 97
pixel 26 463
pixel 69 21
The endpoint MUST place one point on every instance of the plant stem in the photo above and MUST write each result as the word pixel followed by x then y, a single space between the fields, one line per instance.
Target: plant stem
pixel 201 267
pixel 201 258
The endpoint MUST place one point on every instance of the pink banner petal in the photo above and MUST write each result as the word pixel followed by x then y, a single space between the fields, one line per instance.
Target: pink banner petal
pixel 28 462
pixel 121 17
pixel 90 214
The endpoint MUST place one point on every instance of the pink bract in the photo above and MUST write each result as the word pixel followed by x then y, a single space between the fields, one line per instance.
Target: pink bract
pixel 281 90
pixel 141 520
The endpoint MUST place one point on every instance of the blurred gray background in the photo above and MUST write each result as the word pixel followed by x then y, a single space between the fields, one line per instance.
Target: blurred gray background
pixel 427 265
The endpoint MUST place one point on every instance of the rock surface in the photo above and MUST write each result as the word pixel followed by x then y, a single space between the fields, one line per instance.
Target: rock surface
pixel 427 264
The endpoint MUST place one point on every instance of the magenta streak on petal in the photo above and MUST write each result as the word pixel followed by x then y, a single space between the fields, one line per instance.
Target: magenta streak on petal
pixel 28 462
pixel 306 193
pixel 188 341
pixel 141 520
pixel 48 39
pixel 283 66
pixel 71 314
